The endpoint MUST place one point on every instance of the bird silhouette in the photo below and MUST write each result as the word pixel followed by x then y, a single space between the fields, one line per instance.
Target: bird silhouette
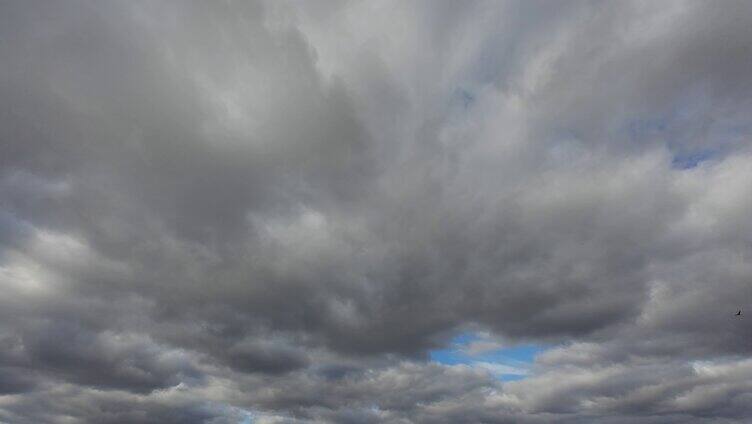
pixel 739 312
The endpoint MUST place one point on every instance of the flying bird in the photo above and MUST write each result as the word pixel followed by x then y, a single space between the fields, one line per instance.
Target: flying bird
pixel 739 312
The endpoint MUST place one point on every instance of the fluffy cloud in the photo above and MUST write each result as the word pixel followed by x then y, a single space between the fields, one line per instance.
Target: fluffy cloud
pixel 273 212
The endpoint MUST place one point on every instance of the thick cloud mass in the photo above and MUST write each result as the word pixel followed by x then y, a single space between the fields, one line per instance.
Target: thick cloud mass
pixel 231 212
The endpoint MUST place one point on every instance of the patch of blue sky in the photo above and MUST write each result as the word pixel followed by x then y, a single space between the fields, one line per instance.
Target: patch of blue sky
pixel 692 159
pixel 467 98
pixel 684 156
pixel 508 363
pixel 464 98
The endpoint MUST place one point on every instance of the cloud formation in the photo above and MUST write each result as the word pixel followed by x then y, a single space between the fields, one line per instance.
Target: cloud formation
pixel 273 212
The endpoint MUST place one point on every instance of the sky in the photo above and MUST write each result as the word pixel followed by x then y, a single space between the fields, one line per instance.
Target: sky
pixel 368 212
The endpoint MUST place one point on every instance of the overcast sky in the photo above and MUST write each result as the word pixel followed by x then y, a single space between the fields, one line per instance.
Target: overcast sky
pixel 375 212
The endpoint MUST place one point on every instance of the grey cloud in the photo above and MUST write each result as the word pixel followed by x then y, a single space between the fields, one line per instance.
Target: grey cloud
pixel 263 356
pixel 272 209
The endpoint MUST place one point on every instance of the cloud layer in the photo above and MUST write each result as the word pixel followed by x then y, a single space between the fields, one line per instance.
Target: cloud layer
pixel 235 212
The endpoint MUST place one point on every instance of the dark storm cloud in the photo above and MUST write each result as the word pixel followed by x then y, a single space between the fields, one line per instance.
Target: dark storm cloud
pixel 219 211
